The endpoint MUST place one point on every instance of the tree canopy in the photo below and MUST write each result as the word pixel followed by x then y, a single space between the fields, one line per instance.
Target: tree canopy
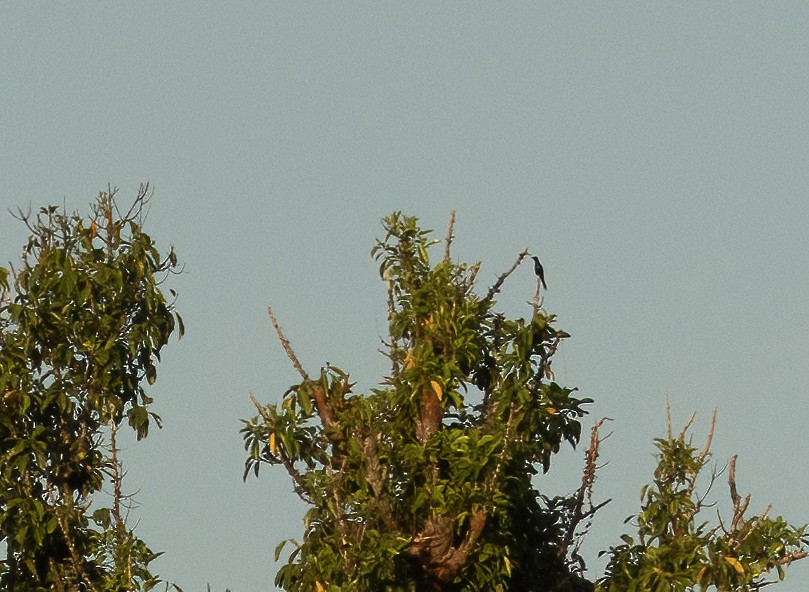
pixel 428 481
pixel 82 322
pixel 431 481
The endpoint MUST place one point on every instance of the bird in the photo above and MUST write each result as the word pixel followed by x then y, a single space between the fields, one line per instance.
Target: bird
pixel 539 271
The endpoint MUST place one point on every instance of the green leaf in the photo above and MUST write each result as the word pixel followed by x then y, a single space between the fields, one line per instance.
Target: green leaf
pixel 151 374
pixel 180 324
pixel 102 517
pixel 280 548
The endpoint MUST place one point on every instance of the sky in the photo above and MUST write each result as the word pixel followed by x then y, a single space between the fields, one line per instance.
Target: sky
pixel 653 154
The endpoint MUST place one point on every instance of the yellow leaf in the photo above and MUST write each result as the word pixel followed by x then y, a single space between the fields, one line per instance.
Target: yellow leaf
pixel 551 410
pixel 429 322
pixel 439 392
pixel 273 445
pixel 701 574
pixel 319 587
pixel 735 564
pixel 409 360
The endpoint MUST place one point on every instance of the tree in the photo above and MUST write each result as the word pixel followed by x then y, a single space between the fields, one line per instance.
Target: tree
pixel 674 552
pixel 82 323
pixel 426 483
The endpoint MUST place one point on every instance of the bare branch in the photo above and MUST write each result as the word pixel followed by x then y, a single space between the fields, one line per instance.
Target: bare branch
pixel 794 556
pixel 536 303
pixel 739 505
pixel 450 234
pixel 734 494
pixel 707 448
pixel 473 273
pixel 688 424
pixel 117 478
pixel 502 278
pixel 585 490
pixel 701 459
pixel 461 553
pixel 287 347
pixel 701 499
pixel 668 416
pixel 139 210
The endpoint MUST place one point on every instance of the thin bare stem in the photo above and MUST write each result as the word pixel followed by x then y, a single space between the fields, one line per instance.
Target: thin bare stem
pixel 668 416
pixel 585 491
pixel 287 347
pixel 688 424
pixel 707 448
pixel 794 556
pixel 734 494
pixel 473 273
pixel 739 505
pixel 117 478
pixel 450 234
pixel 502 278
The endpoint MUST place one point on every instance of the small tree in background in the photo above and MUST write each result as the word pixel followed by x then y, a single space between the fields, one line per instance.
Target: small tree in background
pixel 427 483
pixel 674 552
pixel 82 324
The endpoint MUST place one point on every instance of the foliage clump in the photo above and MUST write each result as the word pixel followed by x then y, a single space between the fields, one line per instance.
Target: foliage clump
pixel 82 324
pixel 426 482
pixel 675 551
pixel 429 482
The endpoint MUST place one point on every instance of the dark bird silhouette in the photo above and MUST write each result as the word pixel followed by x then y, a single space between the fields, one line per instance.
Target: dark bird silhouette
pixel 539 271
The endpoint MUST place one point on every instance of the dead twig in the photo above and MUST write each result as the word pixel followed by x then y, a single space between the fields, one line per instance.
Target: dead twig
pixel 739 505
pixel 502 278
pixel 585 492
pixel 706 451
pixel 287 347
pixel 450 235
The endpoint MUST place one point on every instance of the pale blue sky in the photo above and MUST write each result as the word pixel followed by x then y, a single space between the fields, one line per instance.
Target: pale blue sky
pixel 654 154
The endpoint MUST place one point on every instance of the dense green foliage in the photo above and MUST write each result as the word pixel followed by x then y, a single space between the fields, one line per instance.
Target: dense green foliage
pixel 674 552
pixel 427 483
pixel 82 323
